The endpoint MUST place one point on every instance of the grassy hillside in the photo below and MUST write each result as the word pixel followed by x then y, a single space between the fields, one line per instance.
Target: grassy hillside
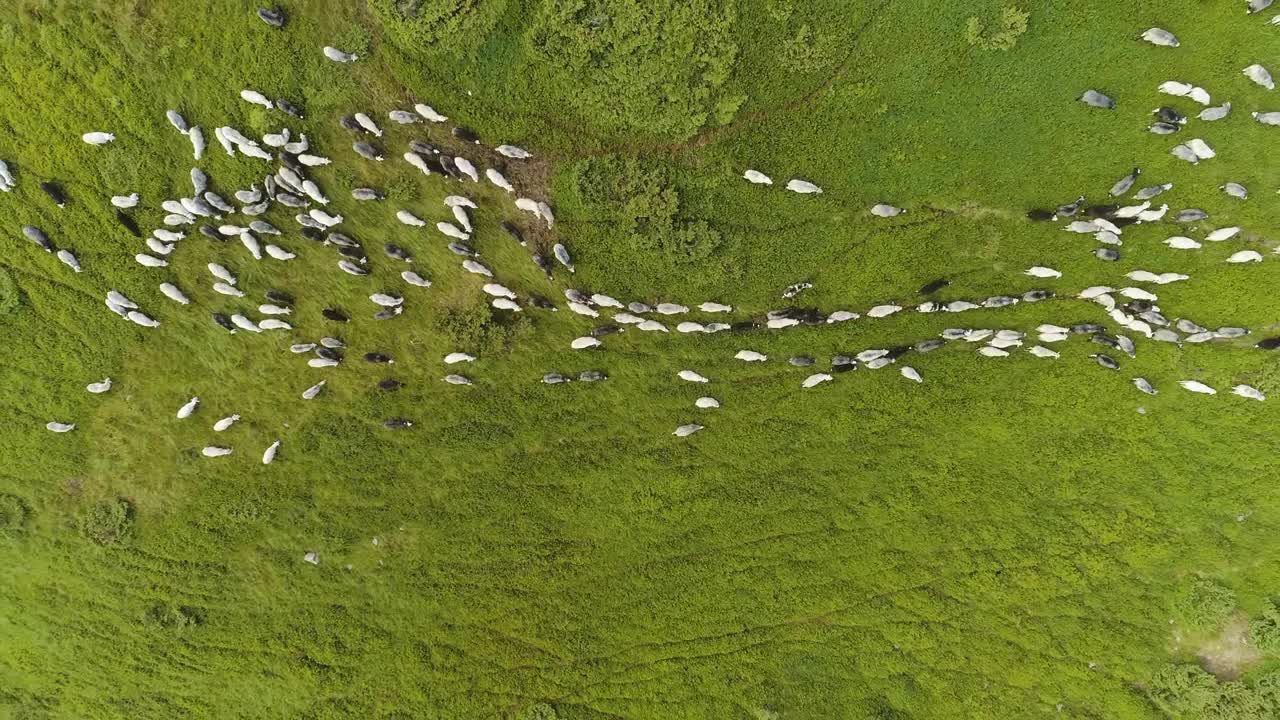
pixel 1013 538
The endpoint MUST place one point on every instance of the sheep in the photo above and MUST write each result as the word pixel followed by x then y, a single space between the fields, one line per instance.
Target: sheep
pixel 215 451
pixel 172 292
pixel 499 179
pixel 404 117
pixel 68 259
pixel 691 376
pixel 687 430
pixel 1245 256
pixel 453 231
pixel 245 323
pixel 1196 386
pixel 269 454
pixel 1093 98
pixel 1224 233
pixel 1247 391
pixel 225 423
pixel 142 319
pixel 429 113
pixel 98 138
pixel 1259 76
pixel 311 392
pixel 98 388
pixel 816 379
pixel 59 427
pixel 1179 242
pixel 1215 113
pixel 339 56
pixel 1039 271
pixel 414 278
pixel 186 410
pixel 803 187
pixel 758 178
pixel 1160 37
pixel 457 380
pixel 886 211
pixel 1235 190
pixel 562 256
pixel 464 165
pixel 472 266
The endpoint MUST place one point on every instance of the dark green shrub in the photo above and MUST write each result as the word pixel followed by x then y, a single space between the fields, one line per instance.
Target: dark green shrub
pixel 10 295
pixel 1264 632
pixel 1206 604
pixel 1183 689
pixel 540 711
pixel 646 204
pixel 13 514
pixel 473 325
pixel 430 24
pixel 109 522
pixel 651 66
pixel 1004 36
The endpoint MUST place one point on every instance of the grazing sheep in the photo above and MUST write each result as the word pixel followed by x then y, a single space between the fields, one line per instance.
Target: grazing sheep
pixel 1245 256
pixel 472 266
pixel 186 410
pixel 1093 98
pixel 1196 386
pixel 750 356
pixel 339 56
pixel 98 388
pixel 457 380
pixel 59 427
pixel 514 152
pixel 1161 37
pixel 687 430
pixel 1040 271
pixel 98 138
pixel 464 165
pixel 1247 391
pixel 172 292
pixel 1235 190
pixel 757 177
pixel 66 258
pixel 429 113
pixel 245 323
pixel 499 179
pixel 886 211
pixel 804 187
pixel 1260 76
pixel 414 278
pixel 816 379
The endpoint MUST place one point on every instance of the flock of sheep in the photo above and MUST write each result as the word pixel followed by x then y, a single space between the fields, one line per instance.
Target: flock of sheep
pixel 287 186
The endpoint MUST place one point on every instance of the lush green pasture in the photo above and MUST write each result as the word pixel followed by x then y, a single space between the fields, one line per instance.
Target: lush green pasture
pixel 1014 538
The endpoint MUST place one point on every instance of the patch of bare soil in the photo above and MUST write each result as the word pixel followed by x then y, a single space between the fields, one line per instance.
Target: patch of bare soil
pixel 1230 654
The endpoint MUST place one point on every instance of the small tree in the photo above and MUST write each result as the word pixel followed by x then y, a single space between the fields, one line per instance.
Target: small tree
pixel 109 522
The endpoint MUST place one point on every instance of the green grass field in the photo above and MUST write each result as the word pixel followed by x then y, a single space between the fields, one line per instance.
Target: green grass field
pixel 1013 538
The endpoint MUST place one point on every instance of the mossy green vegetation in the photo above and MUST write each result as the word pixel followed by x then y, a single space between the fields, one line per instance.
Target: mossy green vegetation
pixel 1010 539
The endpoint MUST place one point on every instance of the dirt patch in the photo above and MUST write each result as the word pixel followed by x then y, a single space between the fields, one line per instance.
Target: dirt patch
pixel 1230 654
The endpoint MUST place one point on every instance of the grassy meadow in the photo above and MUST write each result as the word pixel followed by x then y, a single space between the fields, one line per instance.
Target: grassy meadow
pixel 1013 538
